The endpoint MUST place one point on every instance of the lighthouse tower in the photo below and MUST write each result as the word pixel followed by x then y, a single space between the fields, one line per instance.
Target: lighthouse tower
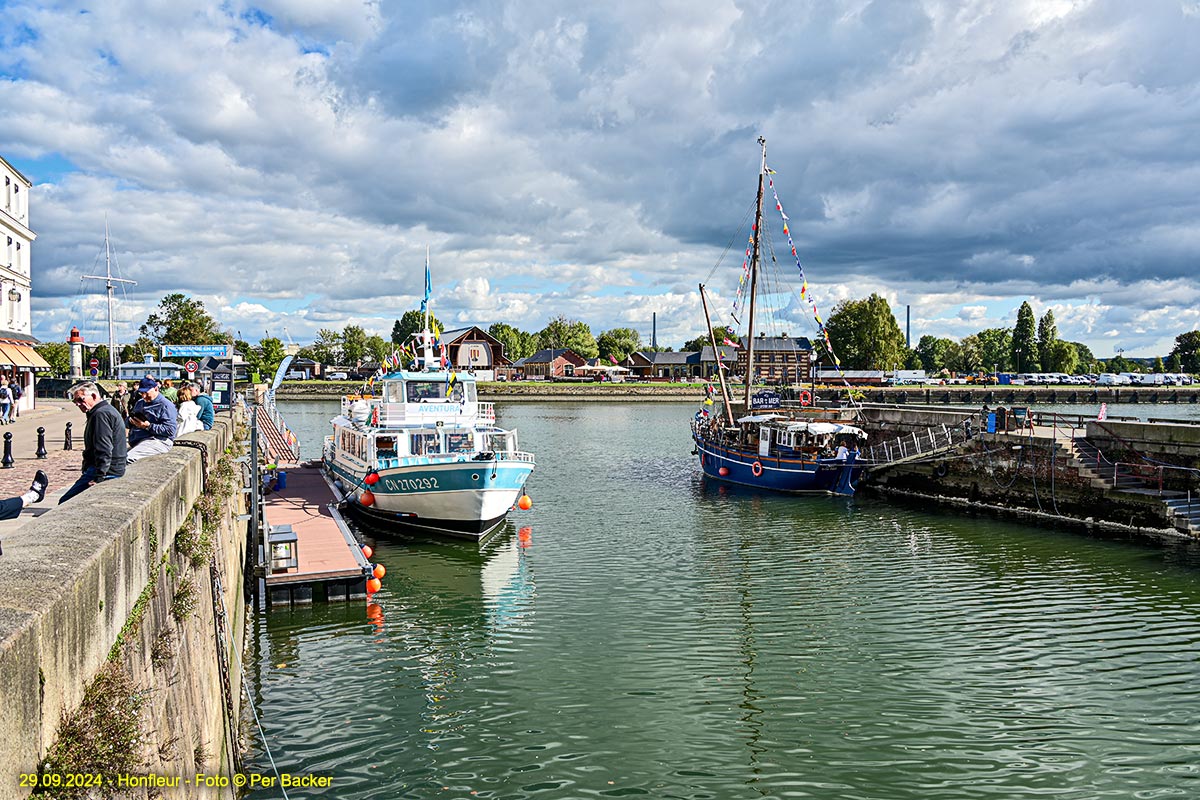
pixel 76 342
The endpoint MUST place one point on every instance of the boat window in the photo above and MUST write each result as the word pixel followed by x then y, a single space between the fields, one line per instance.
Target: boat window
pixel 385 446
pixel 470 392
pixel 460 442
pixel 434 392
pixel 394 392
pixel 424 443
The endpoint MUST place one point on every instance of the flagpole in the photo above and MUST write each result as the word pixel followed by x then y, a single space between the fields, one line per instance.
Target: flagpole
pixel 426 334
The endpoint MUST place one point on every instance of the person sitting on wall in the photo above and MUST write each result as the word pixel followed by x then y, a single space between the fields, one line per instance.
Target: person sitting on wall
pixel 104 448
pixel 208 414
pixel 10 508
pixel 152 421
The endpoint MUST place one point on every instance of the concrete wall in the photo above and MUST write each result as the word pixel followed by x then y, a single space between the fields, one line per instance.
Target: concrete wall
pixel 70 588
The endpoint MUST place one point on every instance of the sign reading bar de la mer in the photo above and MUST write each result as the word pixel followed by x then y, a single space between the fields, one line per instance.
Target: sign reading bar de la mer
pixel 197 350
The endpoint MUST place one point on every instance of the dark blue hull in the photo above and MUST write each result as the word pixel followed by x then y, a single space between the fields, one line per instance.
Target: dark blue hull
pixel 776 473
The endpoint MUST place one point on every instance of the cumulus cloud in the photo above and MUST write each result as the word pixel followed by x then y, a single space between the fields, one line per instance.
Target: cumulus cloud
pixel 288 161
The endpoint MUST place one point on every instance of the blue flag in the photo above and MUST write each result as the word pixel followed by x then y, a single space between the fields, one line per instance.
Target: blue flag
pixel 428 286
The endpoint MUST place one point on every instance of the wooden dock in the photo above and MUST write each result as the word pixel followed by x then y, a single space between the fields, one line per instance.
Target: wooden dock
pixel 329 561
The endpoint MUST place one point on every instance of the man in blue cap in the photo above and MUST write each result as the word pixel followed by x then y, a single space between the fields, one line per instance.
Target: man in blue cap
pixel 152 422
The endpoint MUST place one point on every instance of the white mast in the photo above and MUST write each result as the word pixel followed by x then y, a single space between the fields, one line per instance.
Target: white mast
pixel 109 280
pixel 428 336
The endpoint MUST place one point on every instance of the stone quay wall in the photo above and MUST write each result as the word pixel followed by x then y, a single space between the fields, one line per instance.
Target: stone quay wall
pixel 121 620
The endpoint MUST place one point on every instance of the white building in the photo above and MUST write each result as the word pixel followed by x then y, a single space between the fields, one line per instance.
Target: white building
pixel 18 360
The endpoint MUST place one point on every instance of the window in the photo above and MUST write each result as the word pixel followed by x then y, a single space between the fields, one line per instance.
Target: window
pixel 434 392
pixel 460 442
pixel 424 443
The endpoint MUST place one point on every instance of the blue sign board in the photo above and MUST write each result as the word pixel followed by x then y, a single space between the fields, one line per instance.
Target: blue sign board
pixel 197 350
pixel 764 400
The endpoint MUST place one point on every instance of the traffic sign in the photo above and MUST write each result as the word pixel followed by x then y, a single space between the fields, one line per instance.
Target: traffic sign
pixel 95 372
pixel 191 366
pixel 94 363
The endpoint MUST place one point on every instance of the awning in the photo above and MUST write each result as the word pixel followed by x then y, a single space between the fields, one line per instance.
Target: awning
pixel 760 418
pixel 20 354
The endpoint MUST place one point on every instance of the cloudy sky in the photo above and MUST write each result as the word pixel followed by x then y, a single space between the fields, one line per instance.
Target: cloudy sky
pixel 289 161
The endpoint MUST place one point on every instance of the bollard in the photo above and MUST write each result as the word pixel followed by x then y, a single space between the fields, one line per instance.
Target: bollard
pixel 7 462
pixel 41 451
pixel 68 443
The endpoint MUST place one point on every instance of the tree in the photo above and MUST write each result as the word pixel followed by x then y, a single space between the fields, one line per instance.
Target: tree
pixel 968 357
pixel 1158 365
pixel 354 344
pixel 1085 359
pixel 618 343
pixel 1174 364
pixel 410 323
pixel 327 349
pixel 865 335
pixel 931 350
pixel 1060 357
pixel 561 332
pixel 700 342
pixel 182 320
pixel 1047 335
pixel 57 355
pixel 1119 364
pixel 995 348
pixel 377 347
pixel 270 355
pixel 1187 348
pixel 1024 341
pixel 138 350
pixel 517 344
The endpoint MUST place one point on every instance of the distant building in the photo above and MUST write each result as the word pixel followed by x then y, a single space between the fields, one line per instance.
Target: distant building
pixel 136 370
pixel 550 364
pixel 18 360
pixel 777 359
pixel 665 366
pixel 471 349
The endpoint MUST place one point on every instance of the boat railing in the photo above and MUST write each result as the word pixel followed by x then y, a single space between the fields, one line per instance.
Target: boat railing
pixel 915 444
pixel 390 415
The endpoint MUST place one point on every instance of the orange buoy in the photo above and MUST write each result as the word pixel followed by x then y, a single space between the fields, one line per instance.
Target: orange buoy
pixel 367 498
pixel 524 503
pixel 371 479
pixel 367 551
pixel 373 585
pixel 379 571
pixel 723 471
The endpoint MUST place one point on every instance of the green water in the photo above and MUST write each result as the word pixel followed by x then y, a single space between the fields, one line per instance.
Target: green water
pixel 664 637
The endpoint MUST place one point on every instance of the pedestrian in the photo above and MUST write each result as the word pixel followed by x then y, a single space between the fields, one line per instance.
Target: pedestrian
pixel 6 399
pixel 152 422
pixel 120 401
pixel 170 392
pixel 17 394
pixel 208 414
pixel 10 508
pixel 104 447
pixel 189 412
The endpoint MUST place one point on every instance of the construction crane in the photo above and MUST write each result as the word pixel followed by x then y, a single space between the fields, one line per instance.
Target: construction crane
pixel 292 348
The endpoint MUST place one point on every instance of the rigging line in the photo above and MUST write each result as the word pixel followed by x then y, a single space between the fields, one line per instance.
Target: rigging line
pixel 254 713
pixel 741 226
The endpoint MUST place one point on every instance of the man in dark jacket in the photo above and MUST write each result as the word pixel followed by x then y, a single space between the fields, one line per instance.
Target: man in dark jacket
pixel 104 448
pixel 152 422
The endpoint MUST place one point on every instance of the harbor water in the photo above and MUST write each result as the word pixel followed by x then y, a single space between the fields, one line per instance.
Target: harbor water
pixel 652 634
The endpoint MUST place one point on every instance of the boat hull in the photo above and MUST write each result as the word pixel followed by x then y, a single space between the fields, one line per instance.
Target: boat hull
pixel 774 473
pixel 459 499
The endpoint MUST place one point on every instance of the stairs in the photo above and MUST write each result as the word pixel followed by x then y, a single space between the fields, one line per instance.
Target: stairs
pixel 1105 475
pixel 1184 513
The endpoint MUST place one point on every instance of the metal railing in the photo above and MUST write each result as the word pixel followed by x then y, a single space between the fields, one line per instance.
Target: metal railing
pixel 916 444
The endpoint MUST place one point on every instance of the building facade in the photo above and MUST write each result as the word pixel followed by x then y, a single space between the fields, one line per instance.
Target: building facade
pixel 18 360
pixel 778 359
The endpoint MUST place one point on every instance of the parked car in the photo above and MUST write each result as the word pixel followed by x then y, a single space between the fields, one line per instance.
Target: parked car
pixel 294 375
pixel 337 376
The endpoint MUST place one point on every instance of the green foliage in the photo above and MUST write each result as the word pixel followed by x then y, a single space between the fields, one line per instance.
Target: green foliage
pixel 269 356
pixel 865 334
pixel 931 350
pixel 1024 341
pixel 965 357
pixel 1174 363
pixel 57 355
pixel 182 320
pixel 1085 359
pixel 517 343
pixel 1158 365
pixel 561 332
pixel 1187 349
pixel 1060 357
pixel 103 736
pixel 327 349
pixel 699 343
pixel 377 347
pixel 410 323
pixel 1119 364
pixel 1047 332
pixel 186 600
pixel 995 349
pixel 354 344
pixel 618 343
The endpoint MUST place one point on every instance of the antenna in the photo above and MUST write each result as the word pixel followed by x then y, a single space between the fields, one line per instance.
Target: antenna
pixel 109 280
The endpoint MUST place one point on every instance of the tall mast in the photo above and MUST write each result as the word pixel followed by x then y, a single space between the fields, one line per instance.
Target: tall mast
pixel 717 354
pixel 109 280
pixel 426 334
pixel 754 261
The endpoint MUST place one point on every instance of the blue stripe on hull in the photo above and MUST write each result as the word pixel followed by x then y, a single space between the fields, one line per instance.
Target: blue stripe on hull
pixel 777 475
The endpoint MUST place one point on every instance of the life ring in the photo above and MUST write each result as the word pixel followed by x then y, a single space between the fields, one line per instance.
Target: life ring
pixel 756 468
pixel 940 470
pixel 805 397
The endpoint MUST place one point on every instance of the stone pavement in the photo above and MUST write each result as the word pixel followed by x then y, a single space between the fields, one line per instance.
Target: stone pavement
pixel 61 466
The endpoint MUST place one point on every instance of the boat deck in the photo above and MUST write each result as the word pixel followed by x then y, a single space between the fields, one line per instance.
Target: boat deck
pixel 329 559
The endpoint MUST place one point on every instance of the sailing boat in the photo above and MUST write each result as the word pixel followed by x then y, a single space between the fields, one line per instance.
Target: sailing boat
pixel 415 450
pixel 786 451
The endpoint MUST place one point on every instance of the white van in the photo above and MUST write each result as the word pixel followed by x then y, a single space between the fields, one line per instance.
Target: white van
pixel 1109 379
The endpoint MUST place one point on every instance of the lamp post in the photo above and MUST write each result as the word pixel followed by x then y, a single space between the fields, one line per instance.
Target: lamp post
pixel 1018 352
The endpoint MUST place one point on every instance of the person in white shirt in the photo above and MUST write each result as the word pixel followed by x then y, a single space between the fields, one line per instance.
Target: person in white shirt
pixel 189 412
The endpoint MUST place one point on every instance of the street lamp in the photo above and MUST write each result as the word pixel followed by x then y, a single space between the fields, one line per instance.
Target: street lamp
pixel 1018 352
